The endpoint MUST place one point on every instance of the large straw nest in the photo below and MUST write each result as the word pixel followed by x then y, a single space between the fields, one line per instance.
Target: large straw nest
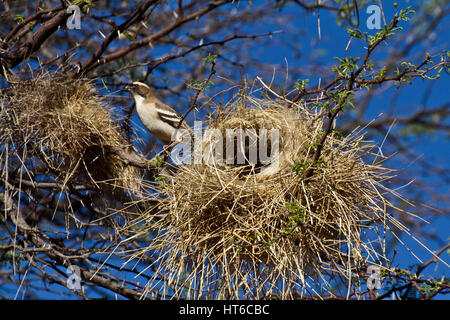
pixel 246 231
pixel 66 125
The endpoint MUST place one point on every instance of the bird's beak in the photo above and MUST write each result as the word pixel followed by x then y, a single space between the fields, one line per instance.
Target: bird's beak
pixel 127 88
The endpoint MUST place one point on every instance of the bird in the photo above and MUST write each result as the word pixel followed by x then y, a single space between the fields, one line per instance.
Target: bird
pixel 158 118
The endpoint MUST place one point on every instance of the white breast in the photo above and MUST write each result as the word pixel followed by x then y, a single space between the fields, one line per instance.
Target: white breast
pixel 150 119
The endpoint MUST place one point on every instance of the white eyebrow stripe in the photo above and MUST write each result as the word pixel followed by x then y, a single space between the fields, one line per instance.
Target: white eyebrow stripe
pixel 140 84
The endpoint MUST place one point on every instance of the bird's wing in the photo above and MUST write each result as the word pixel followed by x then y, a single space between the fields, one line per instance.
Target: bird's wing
pixel 167 114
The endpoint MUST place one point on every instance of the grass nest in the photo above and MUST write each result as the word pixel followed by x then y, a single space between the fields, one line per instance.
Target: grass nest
pixel 64 125
pixel 227 231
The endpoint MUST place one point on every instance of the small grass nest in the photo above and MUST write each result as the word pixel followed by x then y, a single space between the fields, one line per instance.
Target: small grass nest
pixel 65 125
pixel 229 231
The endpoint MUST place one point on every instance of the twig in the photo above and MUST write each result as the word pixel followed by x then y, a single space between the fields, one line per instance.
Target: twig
pixel 193 104
pixel 309 172
pixel 194 101
pixel 211 43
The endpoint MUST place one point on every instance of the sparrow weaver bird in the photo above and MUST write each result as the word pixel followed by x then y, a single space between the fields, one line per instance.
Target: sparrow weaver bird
pixel 158 118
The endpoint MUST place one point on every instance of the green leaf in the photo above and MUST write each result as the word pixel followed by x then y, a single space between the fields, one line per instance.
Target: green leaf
pixel 301 85
pixel 19 18
pixel 300 166
pixel 210 58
